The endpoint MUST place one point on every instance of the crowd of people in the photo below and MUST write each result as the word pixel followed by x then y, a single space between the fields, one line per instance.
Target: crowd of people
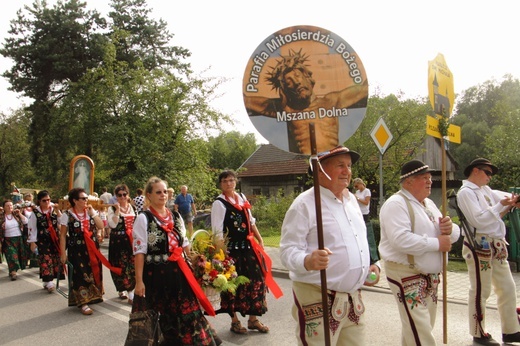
pixel 149 253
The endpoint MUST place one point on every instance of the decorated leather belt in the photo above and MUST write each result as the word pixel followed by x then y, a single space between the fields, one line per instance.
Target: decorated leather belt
pixel 163 258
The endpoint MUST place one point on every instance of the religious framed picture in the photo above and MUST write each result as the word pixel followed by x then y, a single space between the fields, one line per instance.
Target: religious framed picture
pixel 82 173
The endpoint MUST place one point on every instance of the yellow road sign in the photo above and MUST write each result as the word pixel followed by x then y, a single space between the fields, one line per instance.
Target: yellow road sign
pixel 432 129
pixel 440 86
pixel 381 135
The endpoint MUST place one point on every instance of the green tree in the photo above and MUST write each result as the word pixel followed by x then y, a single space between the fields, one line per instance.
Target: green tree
pixel 406 120
pixel 230 149
pixel 488 116
pixel 14 152
pixel 139 122
pixel 129 100
pixel 503 146
pixel 143 40
pixel 50 48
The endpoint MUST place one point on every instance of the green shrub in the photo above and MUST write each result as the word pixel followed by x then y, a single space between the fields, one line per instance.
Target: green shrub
pixel 270 212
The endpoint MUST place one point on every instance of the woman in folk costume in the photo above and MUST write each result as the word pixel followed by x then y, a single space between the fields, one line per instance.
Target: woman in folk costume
pixel 11 239
pixel 80 234
pixel 231 221
pixel 121 217
pixel 44 237
pixel 164 277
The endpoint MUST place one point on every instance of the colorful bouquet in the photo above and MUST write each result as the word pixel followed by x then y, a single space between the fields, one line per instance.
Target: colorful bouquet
pixel 213 268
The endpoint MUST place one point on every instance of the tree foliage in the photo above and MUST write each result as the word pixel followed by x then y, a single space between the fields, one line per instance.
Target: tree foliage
pixel 406 120
pixel 230 149
pixel 129 101
pixel 14 151
pixel 489 118
pixel 142 40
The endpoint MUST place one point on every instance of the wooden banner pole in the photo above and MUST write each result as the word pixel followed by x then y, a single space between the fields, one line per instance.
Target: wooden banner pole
pixel 444 254
pixel 319 225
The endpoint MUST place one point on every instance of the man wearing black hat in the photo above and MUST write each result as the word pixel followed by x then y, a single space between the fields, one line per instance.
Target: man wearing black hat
pixel 345 256
pixel 414 235
pixel 484 209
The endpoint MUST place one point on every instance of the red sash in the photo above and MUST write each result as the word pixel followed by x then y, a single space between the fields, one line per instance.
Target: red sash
pixel 94 254
pixel 52 231
pixel 176 256
pixel 263 257
pixel 129 227
pixel 265 264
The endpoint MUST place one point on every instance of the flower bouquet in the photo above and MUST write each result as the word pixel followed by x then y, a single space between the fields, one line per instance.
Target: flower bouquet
pixel 213 268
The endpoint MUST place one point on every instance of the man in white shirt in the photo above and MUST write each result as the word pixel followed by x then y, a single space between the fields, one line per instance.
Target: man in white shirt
pixel 414 237
pixel 105 196
pixel 345 255
pixel 484 209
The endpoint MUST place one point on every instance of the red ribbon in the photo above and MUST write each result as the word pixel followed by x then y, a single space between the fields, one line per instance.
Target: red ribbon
pixel 263 258
pixel 52 231
pixel 176 256
pixel 265 265
pixel 129 227
pixel 94 254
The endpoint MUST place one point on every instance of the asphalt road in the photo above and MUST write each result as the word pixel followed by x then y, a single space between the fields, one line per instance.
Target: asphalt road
pixel 31 316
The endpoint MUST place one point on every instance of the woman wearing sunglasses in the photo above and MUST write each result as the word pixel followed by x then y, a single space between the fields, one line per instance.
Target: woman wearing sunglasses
pixel 78 227
pixel 44 236
pixel 163 276
pixel 121 217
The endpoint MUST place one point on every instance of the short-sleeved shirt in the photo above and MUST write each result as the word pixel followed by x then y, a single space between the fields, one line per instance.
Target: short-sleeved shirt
pixel 365 209
pixel 139 203
pixel 184 203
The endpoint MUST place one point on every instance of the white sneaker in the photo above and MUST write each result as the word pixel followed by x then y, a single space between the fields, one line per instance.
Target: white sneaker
pixel 50 287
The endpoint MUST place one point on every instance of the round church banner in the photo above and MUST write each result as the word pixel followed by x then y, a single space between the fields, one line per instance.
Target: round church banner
pixel 302 75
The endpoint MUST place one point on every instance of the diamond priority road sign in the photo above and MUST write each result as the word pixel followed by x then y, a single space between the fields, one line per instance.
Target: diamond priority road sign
pixel 381 135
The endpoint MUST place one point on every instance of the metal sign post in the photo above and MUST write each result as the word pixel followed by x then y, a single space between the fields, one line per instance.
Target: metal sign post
pixel 382 137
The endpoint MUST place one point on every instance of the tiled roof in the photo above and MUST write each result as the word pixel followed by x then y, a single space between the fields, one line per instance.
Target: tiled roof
pixel 268 160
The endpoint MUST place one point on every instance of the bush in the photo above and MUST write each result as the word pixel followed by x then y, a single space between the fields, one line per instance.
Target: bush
pixel 270 212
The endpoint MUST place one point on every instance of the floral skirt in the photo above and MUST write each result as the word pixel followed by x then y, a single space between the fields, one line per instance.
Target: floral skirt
pixel 49 259
pixel 250 298
pixel 15 253
pixel 85 289
pixel 120 255
pixel 169 293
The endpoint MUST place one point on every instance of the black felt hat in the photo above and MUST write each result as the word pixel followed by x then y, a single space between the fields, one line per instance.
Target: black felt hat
pixel 414 167
pixel 480 162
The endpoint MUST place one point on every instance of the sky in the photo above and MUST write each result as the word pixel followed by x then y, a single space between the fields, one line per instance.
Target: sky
pixel 394 39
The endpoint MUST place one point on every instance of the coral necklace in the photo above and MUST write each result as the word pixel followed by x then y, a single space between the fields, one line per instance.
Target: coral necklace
pixel 235 198
pixel 166 222
pixel 83 219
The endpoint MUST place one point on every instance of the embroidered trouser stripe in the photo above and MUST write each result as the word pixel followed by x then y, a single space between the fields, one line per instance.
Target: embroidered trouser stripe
pixel 487 269
pixel 416 302
pixel 300 320
pixel 405 307
pixel 308 314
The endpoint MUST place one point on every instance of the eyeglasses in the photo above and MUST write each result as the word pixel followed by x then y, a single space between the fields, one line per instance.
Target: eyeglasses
pixel 230 180
pixel 488 173
pixel 158 192
pixel 124 194
pixel 83 198
pixel 46 200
